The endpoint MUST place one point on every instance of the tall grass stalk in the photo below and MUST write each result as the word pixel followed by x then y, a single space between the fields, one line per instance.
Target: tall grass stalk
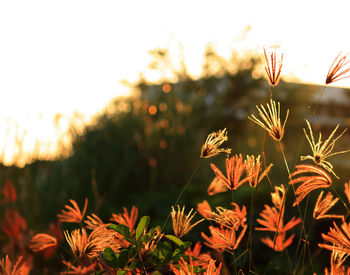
pixel 250 238
pixel 183 190
pixel 302 230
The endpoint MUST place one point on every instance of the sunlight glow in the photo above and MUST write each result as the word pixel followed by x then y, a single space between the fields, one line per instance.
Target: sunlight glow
pixel 71 57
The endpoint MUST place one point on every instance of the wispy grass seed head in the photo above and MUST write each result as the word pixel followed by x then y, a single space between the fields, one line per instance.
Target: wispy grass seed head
pixel 255 171
pixel 212 143
pixel 181 222
pixel 270 119
pixel 72 214
pixel 235 167
pixel 337 239
pixel 339 69
pixel 321 150
pixel 323 205
pixel 230 218
pixel 41 242
pixel 273 64
pixel 313 178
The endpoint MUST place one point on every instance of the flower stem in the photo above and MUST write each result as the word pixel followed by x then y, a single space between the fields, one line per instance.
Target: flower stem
pixel 183 190
pixel 250 239
pixel 284 157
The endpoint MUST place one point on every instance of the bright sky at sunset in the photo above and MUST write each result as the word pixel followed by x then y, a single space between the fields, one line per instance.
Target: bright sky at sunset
pixel 70 55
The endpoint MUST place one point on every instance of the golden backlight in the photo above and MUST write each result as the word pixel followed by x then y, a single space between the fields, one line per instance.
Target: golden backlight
pixel 59 59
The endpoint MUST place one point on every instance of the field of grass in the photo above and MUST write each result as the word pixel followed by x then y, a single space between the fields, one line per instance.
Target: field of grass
pixel 228 174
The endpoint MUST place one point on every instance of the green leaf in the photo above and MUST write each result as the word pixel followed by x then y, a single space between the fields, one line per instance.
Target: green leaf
pixel 123 258
pixel 165 250
pixel 142 226
pixel 132 265
pixel 174 239
pixel 121 229
pixel 181 249
pixel 124 231
pixel 109 257
pixel 157 228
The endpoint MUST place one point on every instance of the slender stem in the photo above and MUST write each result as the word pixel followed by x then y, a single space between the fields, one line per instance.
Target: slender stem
pixel 264 157
pixel 250 239
pixel 233 252
pixel 284 157
pixel 318 102
pixel 234 262
pixel 300 213
pixel 183 190
pixel 313 113
pixel 288 257
pixel 301 231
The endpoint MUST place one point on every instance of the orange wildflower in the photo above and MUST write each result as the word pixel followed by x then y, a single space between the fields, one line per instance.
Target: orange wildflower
pixel 55 231
pixel 338 70
pixel 78 270
pixel 212 143
pixel 181 223
pixel 323 205
pixel 19 268
pixel 72 214
pixel 274 63
pixel 228 218
pixel 183 268
pixel 41 242
pixel 212 269
pixel 204 209
pixel 127 219
pixel 280 243
pixel 217 186
pixel 202 259
pixel 271 120
pixel 277 196
pixel 9 191
pixel 234 171
pixel 100 238
pixel 14 225
pixel 336 266
pixel 316 179
pixel 254 170
pixel 77 241
pixel 272 220
pixel 93 221
pixel 223 239
pixel 338 239
pixel 321 150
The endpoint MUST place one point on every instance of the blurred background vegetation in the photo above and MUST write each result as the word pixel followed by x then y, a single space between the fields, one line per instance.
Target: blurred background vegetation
pixel 143 148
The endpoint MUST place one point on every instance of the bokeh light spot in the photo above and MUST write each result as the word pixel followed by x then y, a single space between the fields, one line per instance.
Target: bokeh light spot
pixel 163 144
pixel 152 162
pixel 166 88
pixel 152 110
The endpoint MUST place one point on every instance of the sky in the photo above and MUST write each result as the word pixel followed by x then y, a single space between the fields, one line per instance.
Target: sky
pixel 71 56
